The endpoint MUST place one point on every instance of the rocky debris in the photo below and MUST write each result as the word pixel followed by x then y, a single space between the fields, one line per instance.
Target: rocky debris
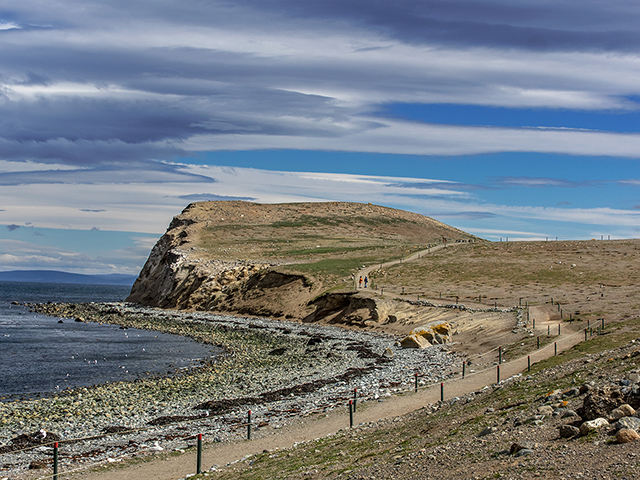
pixel 319 369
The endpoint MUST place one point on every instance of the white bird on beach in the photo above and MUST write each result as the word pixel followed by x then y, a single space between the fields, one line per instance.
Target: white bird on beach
pixel 156 447
pixel 41 435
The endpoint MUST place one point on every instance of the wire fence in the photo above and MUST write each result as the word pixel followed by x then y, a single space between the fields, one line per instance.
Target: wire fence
pixel 349 396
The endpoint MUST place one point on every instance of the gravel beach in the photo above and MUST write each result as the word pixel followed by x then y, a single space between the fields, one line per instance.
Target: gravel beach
pixel 276 369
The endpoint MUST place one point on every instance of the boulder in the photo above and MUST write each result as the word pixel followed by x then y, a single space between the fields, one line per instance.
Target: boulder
pixel 568 413
pixel 487 431
pixel 624 410
pixel 625 435
pixel 545 410
pixel 414 341
pixel 631 423
pixel 591 425
pixel 568 431
pixel 520 446
pixel 599 402
pixel 436 334
pixel 571 392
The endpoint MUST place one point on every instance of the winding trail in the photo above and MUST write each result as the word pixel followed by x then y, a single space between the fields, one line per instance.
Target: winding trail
pixel 167 467
pixel 318 426
pixel 367 270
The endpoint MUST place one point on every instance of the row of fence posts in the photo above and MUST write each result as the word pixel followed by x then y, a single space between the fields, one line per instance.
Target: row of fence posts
pixel 354 401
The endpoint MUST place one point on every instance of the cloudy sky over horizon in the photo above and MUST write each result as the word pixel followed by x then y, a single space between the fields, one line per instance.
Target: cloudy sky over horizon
pixel 516 118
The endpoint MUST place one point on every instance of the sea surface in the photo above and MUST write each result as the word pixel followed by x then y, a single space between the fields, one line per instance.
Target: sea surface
pixel 41 356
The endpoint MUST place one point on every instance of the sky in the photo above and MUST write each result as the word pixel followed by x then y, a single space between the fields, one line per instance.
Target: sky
pixel 509 119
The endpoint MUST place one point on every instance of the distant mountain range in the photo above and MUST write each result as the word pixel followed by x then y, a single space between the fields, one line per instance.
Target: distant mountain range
pixel 52 276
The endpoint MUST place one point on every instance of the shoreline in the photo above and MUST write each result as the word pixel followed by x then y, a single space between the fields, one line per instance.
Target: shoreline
pixel 278 369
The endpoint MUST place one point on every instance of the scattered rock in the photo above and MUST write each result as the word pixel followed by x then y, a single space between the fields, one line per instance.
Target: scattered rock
pixel 524 451
pixel 487 431
pixel 624 410
pixel 626 435
pixel 37 465
pixel 631 423
pixel 415 341
pixel 519 446
pixel 278 351
pixel 568 413
pixel 568 431
pixel 592 425
pixel 545 410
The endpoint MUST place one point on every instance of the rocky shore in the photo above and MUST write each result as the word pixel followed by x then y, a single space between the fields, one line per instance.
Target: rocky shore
pixel 277 369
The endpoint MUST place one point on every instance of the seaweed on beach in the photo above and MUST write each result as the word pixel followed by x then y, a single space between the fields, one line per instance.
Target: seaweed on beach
pixel 165 420
pixel 29 440
pixel 220 407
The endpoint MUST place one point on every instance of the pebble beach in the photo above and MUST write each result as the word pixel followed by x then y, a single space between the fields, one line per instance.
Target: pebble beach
pixel 277 369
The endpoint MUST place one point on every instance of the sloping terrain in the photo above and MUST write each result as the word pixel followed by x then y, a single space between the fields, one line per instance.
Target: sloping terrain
pixel 274 260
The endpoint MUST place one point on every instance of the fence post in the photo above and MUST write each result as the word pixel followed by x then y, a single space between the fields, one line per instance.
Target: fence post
pixel 249 426
pixel 416 384
pixel 500 355
pixel 528 363
pixel 538 342
pixel 498 374
pixel 555 348
pixel 55 461
pixel 442 391
pixel 464 365
pixel 585 334
pixel 558 329
pixel 350 414
pixel 199 459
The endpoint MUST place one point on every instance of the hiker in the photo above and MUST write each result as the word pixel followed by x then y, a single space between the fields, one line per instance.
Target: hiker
pixel 360 283
pixel 366 280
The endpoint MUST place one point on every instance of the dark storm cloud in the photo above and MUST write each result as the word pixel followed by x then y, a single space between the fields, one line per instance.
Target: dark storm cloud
pixel 535 25
pixel 203 197
pixel 148 76
pixel 146 171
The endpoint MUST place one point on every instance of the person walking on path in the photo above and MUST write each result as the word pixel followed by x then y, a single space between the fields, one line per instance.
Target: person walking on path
pixel 360 283
pixel 366 280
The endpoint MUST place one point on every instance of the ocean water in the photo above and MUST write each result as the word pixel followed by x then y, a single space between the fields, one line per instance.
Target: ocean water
pixel 40 356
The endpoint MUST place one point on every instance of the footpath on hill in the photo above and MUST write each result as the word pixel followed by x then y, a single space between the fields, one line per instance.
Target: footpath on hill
pixel 305 429
pixel 367 270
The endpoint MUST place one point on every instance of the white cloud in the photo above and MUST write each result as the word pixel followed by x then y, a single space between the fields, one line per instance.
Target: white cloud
pixel 427 139
pixel 9 26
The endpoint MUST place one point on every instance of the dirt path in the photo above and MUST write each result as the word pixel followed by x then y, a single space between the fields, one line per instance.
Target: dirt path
pixel 310 428
pixel 367 270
